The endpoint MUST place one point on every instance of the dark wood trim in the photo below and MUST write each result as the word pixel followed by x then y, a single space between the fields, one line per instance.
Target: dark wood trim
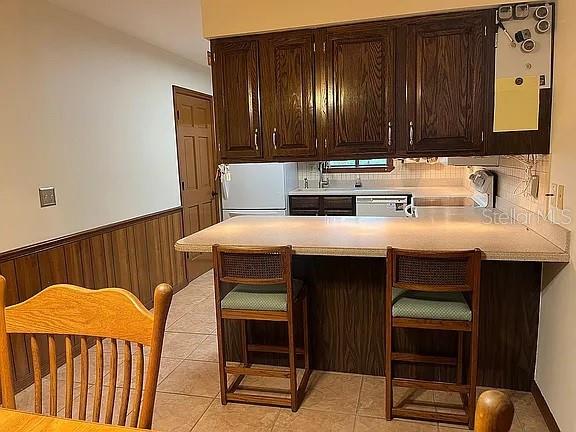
pixel 194 93
pixel 544 408
pixel 82 235
pixel 389 167
pixel 359 170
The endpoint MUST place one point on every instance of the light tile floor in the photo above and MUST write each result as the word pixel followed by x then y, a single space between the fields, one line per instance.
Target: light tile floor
pixel 187 398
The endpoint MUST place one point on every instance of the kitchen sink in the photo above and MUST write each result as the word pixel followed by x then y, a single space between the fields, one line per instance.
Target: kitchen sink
pixel 444 202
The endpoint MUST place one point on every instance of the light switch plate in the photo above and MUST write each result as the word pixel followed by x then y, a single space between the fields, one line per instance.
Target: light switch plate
pixel 554 194
pixel 47 196
pixel 560 198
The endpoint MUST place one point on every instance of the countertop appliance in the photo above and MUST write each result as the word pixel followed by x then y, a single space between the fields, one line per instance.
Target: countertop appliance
pixel 383 205
pixel 484 184
pixel 257 189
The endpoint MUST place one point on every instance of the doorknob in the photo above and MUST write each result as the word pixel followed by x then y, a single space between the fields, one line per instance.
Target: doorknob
pixel 214 194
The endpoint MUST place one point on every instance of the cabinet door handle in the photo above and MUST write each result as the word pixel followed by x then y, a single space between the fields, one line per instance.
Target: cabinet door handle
pixel 256 138
pixel 411 134
pixel 389 134
pixel 274 138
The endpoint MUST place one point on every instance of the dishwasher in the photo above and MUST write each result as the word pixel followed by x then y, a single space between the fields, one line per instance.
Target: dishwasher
pixel 383 205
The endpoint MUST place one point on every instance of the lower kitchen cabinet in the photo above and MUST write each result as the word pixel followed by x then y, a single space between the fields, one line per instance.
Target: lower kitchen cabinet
pixel 322 206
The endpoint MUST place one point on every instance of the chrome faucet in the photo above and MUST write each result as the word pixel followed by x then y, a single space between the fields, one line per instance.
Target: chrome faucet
pixel 322 180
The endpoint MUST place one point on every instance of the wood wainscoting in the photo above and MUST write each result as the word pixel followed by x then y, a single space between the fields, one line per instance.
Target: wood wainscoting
pixel 136 255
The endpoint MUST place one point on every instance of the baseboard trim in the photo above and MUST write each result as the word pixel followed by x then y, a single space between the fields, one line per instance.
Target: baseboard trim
pixel 544 408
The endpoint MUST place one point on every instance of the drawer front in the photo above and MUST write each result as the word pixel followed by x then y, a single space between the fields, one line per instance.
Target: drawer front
pixel 339 203
pixel 304 203
pixel 329 212
pixel 304 212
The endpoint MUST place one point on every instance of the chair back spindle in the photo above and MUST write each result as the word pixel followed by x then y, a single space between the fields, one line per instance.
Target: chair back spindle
pixel 103 317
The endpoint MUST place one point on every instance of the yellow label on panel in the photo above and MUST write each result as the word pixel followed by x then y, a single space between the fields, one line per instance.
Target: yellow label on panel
pixel 516 106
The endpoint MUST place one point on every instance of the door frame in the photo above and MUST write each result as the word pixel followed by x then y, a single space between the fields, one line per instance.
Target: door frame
pixel 193 93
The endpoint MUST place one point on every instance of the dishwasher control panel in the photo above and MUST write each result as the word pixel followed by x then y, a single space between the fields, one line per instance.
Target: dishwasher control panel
pixel 382 205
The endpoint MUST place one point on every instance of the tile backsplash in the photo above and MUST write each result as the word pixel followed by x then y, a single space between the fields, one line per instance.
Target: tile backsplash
pixel 404 174
pixel 514 181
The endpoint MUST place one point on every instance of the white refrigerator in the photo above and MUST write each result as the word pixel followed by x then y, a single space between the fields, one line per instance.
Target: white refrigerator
pixel 258 189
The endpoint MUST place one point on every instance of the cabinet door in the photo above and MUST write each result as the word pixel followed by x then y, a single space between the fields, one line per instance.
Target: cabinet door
pixel 360 68
pixel 287 68
pixel 446 83
pixel 236 97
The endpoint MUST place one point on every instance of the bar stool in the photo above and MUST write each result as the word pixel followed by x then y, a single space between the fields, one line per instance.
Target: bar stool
pixel 425 290
pixel 263 290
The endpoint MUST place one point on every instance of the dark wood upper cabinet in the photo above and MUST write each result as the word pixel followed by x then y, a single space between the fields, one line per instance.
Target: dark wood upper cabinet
pixel 446 83
pixel 287 90
pixel 360 70
pixel 236 97
pixel 408 87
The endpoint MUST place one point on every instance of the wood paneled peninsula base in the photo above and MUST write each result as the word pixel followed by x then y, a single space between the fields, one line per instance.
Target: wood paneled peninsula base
pixel 343 262
pixel 347 322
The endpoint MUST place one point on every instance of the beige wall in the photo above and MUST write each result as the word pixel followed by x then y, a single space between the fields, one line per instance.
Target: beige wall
pixel 88 110
pixel 556 368
pixel 233 17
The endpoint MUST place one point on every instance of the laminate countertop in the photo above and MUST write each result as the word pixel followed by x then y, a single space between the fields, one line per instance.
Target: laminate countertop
pixel 435 229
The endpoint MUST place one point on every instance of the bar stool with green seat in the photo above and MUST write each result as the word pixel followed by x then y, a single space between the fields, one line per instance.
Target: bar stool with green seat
pixel 256 284
pixel 433 290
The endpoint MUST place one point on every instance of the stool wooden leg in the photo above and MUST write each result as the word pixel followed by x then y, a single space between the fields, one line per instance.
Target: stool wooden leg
pixel 473 373
pixel 292 361
pixel 244 341
pixel 388 372
pixel 306 333
pixel 460 357
pixel 221 357
pixel 460 368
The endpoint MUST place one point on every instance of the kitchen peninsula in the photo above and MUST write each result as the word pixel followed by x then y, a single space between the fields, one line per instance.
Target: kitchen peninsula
pixel 342 261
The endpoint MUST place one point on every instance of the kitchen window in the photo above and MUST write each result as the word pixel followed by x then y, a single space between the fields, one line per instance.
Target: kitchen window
pixel 360 165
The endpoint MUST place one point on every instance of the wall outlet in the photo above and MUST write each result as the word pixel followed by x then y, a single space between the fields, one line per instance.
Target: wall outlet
pixel 47 196
pixel 554 193
pixel 560 197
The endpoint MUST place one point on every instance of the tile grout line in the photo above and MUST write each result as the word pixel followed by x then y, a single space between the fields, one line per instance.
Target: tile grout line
pixel 359 396
pixel 275 420
pixel 203 413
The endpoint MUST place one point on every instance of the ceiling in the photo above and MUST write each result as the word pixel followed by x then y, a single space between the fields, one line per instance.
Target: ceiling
pixel 173 25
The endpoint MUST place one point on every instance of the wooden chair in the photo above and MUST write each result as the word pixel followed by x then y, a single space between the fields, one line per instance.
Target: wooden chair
pixel 425 290
pixel 494 413
pixel 90 315
pixel 262 290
